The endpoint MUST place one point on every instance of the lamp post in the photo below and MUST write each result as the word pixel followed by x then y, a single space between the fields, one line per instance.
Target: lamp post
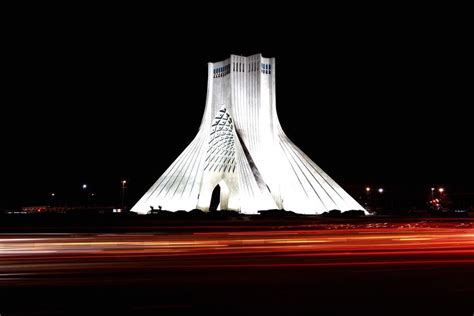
pixel 124 182
pixel 367 192
pixel 52 195
pixel 380 202
pixel 84 189
pixel 442 201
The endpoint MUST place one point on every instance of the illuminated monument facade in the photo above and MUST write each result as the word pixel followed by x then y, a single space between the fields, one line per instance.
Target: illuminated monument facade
pixel 241 159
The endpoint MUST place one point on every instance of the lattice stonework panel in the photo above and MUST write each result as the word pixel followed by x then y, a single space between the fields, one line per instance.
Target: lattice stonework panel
pixel 221 152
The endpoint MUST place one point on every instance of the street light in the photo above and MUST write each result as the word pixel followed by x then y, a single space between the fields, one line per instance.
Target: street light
pixel 52 199
pixel 441 190
pixel 124 182
pixel 85 197
pixel 367 203
pixel 379 200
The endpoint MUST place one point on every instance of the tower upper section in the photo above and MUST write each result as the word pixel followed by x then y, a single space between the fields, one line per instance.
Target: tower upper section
pixel 245 86
pixel 241 64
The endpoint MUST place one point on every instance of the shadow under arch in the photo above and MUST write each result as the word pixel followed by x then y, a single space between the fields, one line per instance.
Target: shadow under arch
pixel 219 197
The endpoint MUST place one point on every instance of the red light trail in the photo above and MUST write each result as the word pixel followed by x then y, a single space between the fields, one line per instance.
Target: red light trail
pixel 324 268
pixel 24 258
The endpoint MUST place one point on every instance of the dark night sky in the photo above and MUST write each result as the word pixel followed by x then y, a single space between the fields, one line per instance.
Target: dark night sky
pixel 95 100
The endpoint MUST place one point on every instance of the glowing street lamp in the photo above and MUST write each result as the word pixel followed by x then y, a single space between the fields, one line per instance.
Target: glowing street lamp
pixel 85 195
pixel 52 199
pixel 367 199
pixel 124 182
pixel 441 190
pixel 380 190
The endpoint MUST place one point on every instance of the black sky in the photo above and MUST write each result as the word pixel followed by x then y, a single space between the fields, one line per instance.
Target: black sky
pixel 97 99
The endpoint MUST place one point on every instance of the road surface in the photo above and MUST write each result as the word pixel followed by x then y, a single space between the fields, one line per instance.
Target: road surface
pixel 335 269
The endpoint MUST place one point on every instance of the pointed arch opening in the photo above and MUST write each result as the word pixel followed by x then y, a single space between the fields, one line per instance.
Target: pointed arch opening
pixel 215 199
pixel 219 197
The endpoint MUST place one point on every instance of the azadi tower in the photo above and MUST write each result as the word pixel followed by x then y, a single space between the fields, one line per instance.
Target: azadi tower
pixel 240 158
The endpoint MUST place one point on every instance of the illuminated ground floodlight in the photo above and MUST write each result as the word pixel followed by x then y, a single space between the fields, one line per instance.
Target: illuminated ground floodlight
pixel 241 159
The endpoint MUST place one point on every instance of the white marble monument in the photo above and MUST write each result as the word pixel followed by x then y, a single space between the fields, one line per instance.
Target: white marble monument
pixel 242 154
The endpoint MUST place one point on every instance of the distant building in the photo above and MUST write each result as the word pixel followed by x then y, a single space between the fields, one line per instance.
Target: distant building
pixel 34 209
pixel 70 209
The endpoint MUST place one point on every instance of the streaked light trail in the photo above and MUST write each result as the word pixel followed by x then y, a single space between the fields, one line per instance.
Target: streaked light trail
pixel 22 257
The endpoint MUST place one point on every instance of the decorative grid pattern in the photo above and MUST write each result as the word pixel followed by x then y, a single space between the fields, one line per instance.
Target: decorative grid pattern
pixel 221 71
pixel 266 69
pixel 221 152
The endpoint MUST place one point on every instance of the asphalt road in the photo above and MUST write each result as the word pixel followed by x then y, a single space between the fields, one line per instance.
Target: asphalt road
pixel 336 269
